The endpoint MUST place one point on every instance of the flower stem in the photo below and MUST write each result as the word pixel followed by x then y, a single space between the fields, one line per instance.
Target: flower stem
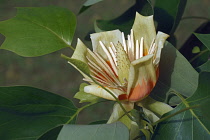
pixel 169 116
pixel 117 100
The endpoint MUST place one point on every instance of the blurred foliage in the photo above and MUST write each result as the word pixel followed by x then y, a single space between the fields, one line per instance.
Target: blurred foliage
pixel 125 21
pixel 192 42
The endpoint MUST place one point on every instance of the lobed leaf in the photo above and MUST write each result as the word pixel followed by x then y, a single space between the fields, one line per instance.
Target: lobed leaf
pixel 36 31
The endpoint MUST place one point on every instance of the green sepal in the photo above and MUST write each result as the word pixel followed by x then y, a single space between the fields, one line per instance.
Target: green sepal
pixel 81 66
pixel 85 97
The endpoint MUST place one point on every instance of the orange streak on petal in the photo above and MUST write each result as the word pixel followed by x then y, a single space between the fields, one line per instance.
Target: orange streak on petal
pixel 108 62
pixel 100 76
pixel 145 52
pixel 123 97
pixel 141 91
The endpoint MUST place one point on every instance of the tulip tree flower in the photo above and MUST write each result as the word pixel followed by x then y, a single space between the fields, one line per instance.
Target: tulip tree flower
pixel 128 66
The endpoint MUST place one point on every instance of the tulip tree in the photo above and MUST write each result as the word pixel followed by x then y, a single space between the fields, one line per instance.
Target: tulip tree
pixel 157 93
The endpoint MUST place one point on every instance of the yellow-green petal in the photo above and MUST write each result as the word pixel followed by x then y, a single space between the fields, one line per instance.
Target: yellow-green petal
pixel 144 27
pixel 80 51
pixel 159 41
pixel 80 56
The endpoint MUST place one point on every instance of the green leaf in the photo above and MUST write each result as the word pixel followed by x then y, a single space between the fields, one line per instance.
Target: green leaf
pixel 27 113
pixel 88 4
pixel 36 31
pixel 204 67
pixel 168 14
pixel 126 20
pixel 85 97
pixel 204 38
pixel 192 124
pixel 204 108
pixel 114 131
pixel 80 65
pixel 176 74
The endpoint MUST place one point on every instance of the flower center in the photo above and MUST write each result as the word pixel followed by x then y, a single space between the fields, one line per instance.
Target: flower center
pixel 113 71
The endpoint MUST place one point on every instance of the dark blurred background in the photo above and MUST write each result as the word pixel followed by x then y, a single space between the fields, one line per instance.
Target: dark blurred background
pixel 52 73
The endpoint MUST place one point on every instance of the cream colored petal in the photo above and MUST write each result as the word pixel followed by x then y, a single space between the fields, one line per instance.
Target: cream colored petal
pixel 114 36
pixel 100 92
pixel 142 78
pixel 159 108
pixel 152 117
pixel 80 51
pixel 144 27
pixel 159 41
